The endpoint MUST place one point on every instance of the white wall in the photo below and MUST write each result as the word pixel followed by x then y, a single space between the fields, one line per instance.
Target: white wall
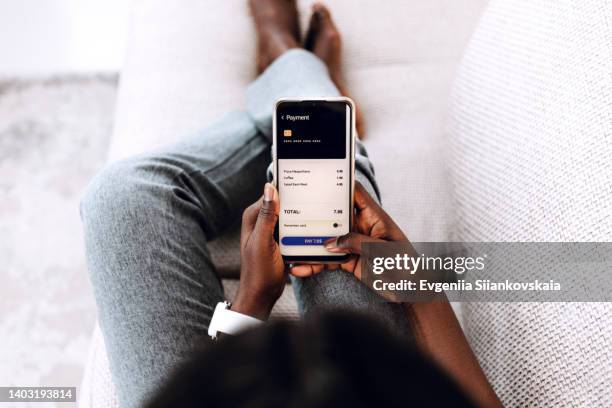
pixel 41 37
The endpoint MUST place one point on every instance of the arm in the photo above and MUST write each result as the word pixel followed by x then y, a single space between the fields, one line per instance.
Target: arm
pixel 263 277
pixel 436 328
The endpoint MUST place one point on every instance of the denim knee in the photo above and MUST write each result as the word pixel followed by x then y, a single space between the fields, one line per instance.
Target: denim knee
pixel 110 194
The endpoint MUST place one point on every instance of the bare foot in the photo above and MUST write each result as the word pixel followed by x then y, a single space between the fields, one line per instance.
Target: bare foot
pixel 277 26
pixel 323 40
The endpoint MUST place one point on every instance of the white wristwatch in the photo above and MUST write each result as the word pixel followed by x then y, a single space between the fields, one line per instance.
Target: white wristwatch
pixel 227 321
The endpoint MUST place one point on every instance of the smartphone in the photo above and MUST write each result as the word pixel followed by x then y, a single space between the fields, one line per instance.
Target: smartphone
pixel 314 165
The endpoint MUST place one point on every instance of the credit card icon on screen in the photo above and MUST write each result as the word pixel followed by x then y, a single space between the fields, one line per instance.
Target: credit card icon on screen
pixel 287 133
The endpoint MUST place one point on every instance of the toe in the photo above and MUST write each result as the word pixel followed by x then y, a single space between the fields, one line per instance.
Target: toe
pixel 313 32
pixel 326 26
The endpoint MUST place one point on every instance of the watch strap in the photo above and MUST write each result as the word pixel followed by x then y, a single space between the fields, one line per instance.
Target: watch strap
pixel 227 321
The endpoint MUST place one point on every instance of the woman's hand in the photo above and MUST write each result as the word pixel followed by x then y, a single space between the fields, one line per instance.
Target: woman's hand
pixel 434 324
pixel 262 270
pixel 371 224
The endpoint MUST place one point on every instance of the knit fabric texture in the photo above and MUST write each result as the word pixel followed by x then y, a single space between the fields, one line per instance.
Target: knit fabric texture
pixel 531 160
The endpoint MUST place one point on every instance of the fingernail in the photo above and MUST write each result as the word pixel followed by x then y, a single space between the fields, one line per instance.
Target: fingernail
pixel 332 244
pixel 268 192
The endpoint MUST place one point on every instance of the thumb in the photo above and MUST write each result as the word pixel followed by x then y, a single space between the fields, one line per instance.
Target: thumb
pixel 268 212
pixel 349 243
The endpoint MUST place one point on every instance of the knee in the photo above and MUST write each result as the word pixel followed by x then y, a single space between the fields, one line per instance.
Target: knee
pixel 109 193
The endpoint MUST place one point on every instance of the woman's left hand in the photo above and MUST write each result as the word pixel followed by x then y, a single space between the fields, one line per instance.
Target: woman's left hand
pixel 262 270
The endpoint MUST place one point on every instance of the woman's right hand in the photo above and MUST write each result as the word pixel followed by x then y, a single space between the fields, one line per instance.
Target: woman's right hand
pixel 434 323
pixel 371 224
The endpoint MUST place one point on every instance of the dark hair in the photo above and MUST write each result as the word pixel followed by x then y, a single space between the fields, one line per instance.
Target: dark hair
pixel 333 359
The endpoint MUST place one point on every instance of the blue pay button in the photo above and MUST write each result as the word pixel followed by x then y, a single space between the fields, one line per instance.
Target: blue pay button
pixel 304 240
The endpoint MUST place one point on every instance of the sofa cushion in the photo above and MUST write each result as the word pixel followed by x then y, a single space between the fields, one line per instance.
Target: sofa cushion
pixel 531 161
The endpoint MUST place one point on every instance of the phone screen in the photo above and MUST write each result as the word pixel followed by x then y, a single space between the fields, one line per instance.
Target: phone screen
pixel 314 176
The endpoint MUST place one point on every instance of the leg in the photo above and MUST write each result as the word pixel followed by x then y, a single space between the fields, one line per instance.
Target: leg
pixel 146 221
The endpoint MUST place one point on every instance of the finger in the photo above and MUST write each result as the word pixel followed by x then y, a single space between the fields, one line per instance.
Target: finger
pixel 304 271
pixel 349 243
pixel 249 217
pixel 347 266
pixel 372 215
pixel 363 199
pixel 268 211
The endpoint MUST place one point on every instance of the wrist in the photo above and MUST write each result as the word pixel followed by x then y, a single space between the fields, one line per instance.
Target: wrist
pixel 253 303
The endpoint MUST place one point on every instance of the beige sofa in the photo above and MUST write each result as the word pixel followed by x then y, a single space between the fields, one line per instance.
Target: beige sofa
pixel 514 99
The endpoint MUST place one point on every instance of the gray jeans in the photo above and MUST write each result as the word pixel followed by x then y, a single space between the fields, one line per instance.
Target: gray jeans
pixel 147 221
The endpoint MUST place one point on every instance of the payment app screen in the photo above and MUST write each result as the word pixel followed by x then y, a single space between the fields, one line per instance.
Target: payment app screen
pixel 313 172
